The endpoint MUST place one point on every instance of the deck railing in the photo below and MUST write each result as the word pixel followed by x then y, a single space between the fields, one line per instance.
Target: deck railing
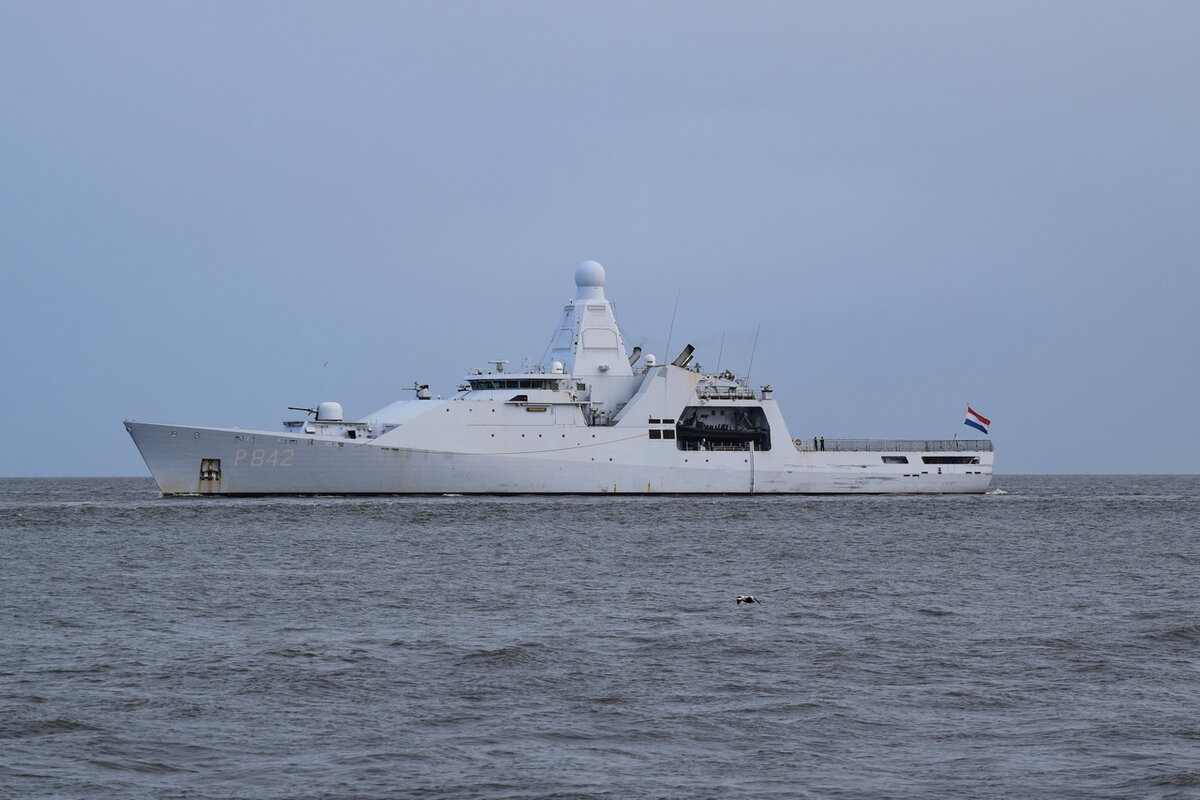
pixel 724 393
pixel 892 445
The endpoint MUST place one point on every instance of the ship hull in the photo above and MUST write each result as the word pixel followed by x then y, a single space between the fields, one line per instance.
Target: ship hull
pixel 190 460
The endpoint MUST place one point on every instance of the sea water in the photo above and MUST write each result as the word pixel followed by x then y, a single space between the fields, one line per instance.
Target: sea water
pixel 1042 640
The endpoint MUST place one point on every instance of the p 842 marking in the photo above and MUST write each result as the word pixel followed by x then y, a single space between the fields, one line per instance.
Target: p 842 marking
pixel 264 458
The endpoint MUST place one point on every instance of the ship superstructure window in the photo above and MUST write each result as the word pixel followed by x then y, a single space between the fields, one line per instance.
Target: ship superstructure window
pixel 950 459
pixel 715 427
pixel 895 459
pixel 514 383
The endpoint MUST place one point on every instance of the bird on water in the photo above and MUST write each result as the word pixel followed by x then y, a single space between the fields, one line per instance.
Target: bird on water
pixel 748 598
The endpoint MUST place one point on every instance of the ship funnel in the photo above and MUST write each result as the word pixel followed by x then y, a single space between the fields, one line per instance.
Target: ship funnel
pixel 684 358
pixel 635 355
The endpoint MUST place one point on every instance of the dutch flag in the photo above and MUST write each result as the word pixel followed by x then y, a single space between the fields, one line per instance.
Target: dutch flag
pixel 976 420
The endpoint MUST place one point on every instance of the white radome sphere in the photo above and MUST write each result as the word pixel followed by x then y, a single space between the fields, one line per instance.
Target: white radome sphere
pixel 589 273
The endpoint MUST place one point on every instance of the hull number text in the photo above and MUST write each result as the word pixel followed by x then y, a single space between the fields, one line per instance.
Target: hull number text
pixel 264 458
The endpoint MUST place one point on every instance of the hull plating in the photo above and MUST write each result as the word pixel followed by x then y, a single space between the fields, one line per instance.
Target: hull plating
pixel 216 461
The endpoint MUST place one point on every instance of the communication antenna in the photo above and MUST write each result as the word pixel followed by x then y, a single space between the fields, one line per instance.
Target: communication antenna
pixel 671 330
pixel 719 352
pixel 752 350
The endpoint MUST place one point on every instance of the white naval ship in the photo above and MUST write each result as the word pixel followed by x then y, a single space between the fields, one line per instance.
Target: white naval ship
pixel 592 418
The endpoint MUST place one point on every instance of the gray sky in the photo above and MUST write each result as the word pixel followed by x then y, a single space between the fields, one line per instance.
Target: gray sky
pixel 211 211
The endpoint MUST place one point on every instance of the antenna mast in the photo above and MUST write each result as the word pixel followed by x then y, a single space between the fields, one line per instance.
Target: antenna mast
pixel 752 351
pixel 671 330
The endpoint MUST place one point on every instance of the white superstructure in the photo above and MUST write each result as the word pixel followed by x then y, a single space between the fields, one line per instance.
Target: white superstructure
pixel 590 419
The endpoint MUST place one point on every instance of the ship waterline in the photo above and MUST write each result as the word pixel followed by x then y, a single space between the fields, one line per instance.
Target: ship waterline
pixel 588 420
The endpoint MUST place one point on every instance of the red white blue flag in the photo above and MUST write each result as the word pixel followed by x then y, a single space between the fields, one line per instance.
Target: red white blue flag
pixel 976 420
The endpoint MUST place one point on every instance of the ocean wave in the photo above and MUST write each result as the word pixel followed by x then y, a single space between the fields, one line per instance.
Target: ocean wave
pixel 522 653
pixel 22 729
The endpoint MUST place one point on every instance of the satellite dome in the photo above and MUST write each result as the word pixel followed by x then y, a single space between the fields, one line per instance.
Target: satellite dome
pixel 589 273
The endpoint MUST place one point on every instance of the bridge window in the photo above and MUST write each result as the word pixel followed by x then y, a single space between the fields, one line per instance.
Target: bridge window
pixel 514 383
